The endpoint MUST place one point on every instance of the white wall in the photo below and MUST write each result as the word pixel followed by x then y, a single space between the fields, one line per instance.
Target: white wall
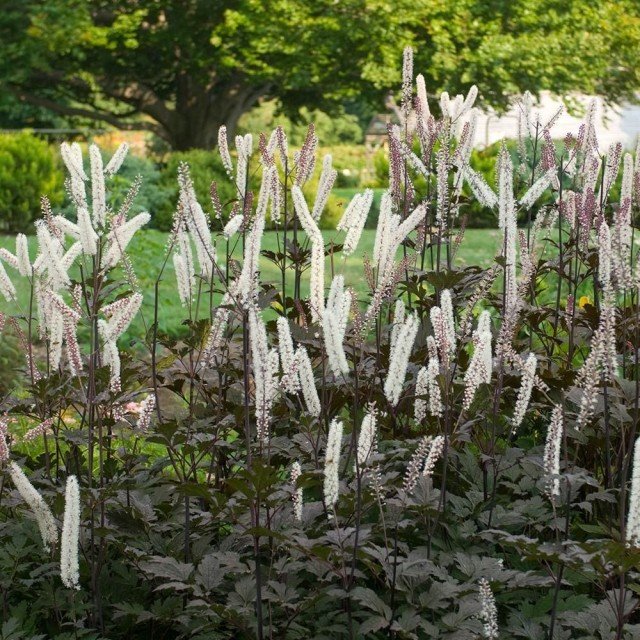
pixel 619 124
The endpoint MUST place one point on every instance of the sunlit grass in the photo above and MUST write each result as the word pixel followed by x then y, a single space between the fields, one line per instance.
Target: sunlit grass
pixel 147 252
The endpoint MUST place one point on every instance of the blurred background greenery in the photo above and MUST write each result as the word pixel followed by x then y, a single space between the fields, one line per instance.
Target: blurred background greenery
pixel 165 75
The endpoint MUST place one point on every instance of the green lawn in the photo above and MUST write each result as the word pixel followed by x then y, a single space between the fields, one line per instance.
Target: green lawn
pixel 147 252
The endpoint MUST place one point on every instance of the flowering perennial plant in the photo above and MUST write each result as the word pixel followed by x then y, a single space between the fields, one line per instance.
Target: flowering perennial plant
pixel 425 416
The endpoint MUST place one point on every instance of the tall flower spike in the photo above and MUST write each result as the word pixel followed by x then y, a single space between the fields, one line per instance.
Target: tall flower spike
pixel 334 324
pixel 233 226
pixel 463 152
pixel 422 389
pixel 505 188
pixel 69 569
pixel 483 193
pixel 113 166
pixel 390 234
pixel 119 238
pixel 382 230
pixel 407 79
pixel 446 306
pixel 265 191
pixel 276 196
pixel 331 463
pixel 73 160
pixel 633 518
pixel 290 379
pixel 488 611
pixel 399 359
pixel 121 313
pixel 98 194
pixel 442 187
pixel 622 236
pixel 440 333
pixel 421 90
pixel 183 278
pixel 88 236
pixel 51 327
pixel 445 105
pixel 223 148
pixel 524 394
pixel 297 496
pixel 9 258
pixel 39 430
pixel 398 321
pixel 147 407
pixel 77 191
pixel 306 158
pixel 110 356
pixel 51 257
pixel 44 517
pixel 537 188
pixel 433 371
pixel 479 369
pixel 217 331
pixel 435 451
pixel 265 367
pixel 22 255
pixel 357 221
pixel 366 441
pixel 604 257
pixel 6 286
pixel 244 146
pixel 246 283
pixel 70 319
pixel 325 184
pixel 197 222
pixel 316 285
pixel 484 327
pixel 552 454
pixel 307 382
pixel 416 464
pixel 507 222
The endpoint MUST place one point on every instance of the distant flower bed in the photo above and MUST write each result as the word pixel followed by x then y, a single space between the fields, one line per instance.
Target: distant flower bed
pixel 453 455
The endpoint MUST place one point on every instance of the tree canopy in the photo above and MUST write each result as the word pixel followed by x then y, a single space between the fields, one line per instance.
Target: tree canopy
pixel 507 47
pixel 181 68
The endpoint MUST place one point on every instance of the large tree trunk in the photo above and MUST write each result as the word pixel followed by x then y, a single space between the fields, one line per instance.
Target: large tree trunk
pixel 200 113
pixel 192 123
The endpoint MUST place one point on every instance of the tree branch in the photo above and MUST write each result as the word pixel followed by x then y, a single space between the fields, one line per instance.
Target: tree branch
pixel 93 114
pixel 137 94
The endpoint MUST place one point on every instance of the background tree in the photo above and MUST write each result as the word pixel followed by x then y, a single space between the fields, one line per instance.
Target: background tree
pixel 181 68
pixel 507 47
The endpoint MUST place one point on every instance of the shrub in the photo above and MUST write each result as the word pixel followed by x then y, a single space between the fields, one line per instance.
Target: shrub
pixel 205 167
pixel 28 170
pixel 10 362
pixel 338 129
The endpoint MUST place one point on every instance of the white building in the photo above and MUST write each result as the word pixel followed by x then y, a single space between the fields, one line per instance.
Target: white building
pixel 615 124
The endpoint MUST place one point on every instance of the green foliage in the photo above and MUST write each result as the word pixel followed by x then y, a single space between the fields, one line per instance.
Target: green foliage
pixel 123 58
pixel 10 357
pixel 28 170
pixel 508 48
